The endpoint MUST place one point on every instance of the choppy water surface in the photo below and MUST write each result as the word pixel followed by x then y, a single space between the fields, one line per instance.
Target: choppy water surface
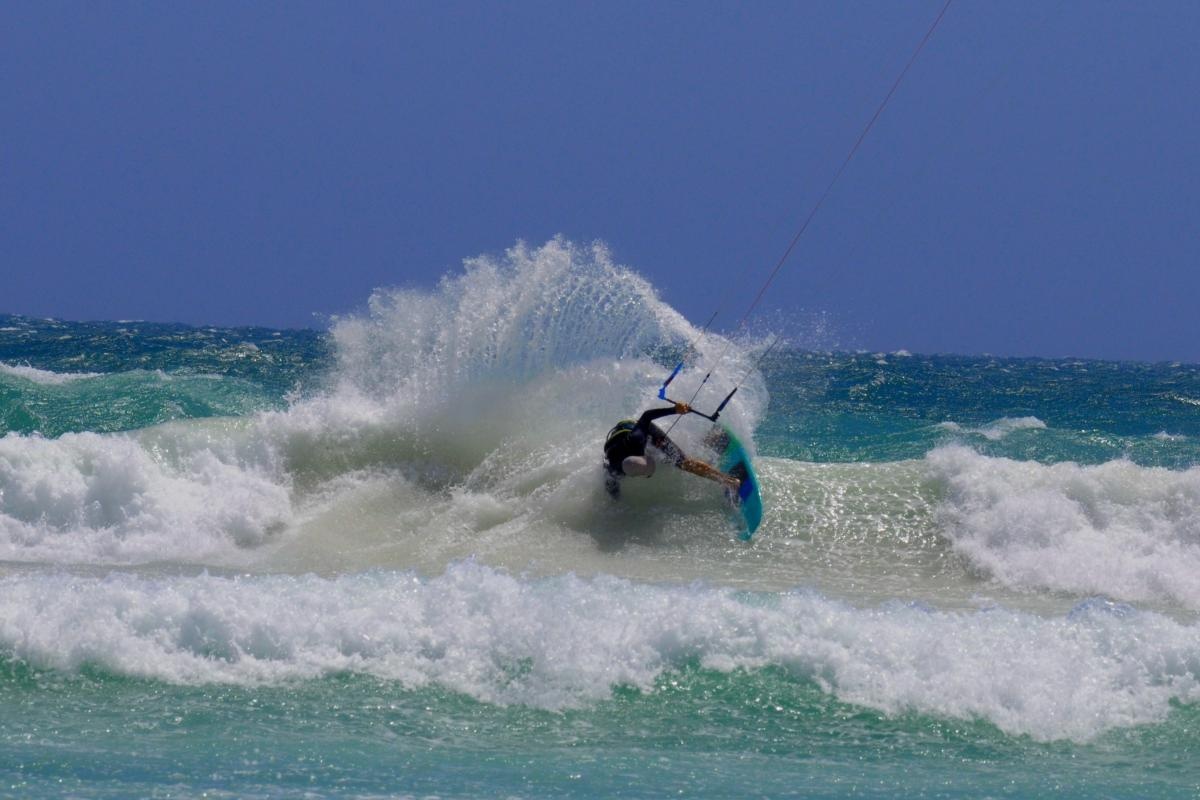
pixel 380 561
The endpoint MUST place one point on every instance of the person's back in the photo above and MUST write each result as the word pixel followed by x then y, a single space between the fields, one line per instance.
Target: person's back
pixel 625 451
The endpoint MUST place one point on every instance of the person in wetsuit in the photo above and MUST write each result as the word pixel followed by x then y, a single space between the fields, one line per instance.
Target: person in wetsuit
pixel 625 451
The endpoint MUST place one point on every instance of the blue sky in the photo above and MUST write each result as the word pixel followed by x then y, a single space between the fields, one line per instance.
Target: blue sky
pixel 1030 190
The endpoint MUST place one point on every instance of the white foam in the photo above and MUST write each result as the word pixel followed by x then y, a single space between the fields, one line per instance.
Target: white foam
pixel 42 376
pixel 90 498
pixel 565 642
pixel 1117 528
pixel 998 429
pixel 1002 427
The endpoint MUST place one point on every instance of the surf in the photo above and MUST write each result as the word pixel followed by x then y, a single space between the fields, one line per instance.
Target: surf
pixel 566 642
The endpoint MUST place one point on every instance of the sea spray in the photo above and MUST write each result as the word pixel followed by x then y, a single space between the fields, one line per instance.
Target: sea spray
pixel 499 382
pixel 523 319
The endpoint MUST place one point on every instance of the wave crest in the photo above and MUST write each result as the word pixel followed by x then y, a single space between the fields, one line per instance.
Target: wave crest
pixel 1115 528
pixel 566 642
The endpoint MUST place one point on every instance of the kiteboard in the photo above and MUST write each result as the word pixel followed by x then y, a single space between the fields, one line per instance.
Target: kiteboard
pixel 733 459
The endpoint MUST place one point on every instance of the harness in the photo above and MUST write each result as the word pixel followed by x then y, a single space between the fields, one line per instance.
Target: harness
pixel 616 444
pixel 622 428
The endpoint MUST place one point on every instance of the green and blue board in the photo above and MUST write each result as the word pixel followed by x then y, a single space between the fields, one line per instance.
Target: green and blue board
pixel 733 459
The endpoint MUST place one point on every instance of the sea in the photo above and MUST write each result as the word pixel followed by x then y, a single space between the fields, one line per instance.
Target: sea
pixel 378 560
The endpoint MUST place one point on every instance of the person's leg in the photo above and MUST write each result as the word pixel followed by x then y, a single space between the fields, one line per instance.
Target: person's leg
pixel 709 471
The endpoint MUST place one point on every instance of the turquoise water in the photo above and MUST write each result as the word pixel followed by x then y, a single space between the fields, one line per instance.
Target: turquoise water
pixel 698 733
pixel 379 561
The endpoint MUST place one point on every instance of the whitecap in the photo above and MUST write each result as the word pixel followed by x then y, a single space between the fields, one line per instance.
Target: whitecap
pixel 1117 529
pixel 44 377
pixel 566 642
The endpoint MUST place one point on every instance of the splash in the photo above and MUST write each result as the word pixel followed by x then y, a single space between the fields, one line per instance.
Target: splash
pixel 499 383
pixel 511 318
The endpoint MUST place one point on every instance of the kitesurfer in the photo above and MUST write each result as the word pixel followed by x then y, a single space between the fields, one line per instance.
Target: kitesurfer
pixel 625 451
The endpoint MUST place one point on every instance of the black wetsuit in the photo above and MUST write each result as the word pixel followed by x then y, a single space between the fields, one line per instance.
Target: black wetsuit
pixel 629 438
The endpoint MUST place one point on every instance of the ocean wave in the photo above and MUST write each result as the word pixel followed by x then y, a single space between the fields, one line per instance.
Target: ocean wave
pixel 1119 529
pixel 566 641
pixel 997 430
pixel 52 403
pixel 91 498
pixel 43 377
